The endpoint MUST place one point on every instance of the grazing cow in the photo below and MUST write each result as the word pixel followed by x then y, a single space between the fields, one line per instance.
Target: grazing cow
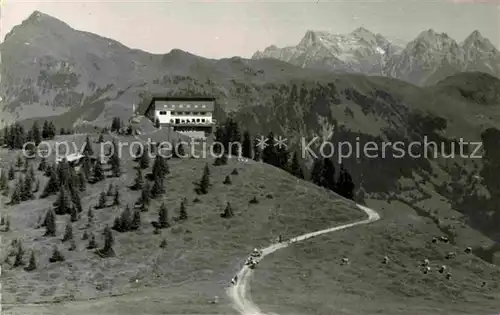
pixel 468 250
pixel 425 263
pixel 345 261
pixel 451 255
pixel 234 280
pixel 386 260
pixel 444 239
pixel 427 269
pixel 215 300
pixel 442 269
pixel 448 276
pixel 483 284
pixel 434 240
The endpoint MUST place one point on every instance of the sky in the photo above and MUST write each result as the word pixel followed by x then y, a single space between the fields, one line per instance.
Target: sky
pixel 220 29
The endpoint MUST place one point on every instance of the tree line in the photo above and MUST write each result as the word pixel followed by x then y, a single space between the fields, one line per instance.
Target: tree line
pixel 322 173
pixel 15 136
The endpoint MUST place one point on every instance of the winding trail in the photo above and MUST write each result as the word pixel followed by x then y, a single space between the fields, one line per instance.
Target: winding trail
pixel 238 292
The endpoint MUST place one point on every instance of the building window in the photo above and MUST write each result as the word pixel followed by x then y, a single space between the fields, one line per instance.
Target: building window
pixel 197 120
pixel 163 112
pixel 203 106
pixel 171 121
pixel 203 120
pixel 196 106
pixel 188 106
pixel 183 121
pixel 180 106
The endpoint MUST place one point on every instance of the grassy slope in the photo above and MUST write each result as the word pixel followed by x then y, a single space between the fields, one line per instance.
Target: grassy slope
pixel 205 249
pixel 312 281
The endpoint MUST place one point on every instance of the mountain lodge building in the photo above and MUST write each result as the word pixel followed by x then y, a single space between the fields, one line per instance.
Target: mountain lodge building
pixel 192 116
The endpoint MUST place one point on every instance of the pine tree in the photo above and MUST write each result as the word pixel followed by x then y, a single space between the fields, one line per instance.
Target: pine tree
pixel 63 173
pixel 18 260
pixel 204 183
pixel 145 197
pixel 136 220
pixel 158 188
pixel 123 223
pixel 53 185
pixel 72 245
pixel 115 161
pixel 269 154
pixel 92 243
pixel 182 212
pixel 227 180
pixel 110 192
pixel 247 145
pixel 160 167
pixel 50 223
pixel 85 235
pixel 316 172
pixel 56 255
pixel 86 168
pixel 43 165
pixel 138 181
pixel 328 174
pixel 101 138
pixel 12 174
pixel 144 159
pixel 228 212
pixel 90 217
pixel 35 133
pixel 27 188
pixel 107 250
pixel 345 185
pixel 45 131
pixel 19 162
pixel 295 168
pixel 32 262
pixel 3 179
pixel 163 243
pixel 87 150
pixel 37 186
pixel 163 217
pixel 62 205
pixel 283 157
pixel 82 180
pixel 102 201
pixel 98 174
pixel 15 199
pixel 68 232
pixel 116 198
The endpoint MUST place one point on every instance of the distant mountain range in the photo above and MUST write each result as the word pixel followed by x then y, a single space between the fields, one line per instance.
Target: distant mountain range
pixel 429 58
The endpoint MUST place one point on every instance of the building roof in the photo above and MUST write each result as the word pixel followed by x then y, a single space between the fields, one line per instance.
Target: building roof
pixel 169 103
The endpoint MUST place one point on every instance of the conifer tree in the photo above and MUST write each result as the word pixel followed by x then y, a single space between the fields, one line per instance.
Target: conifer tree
pixel 283 156
pixel 72 245
pixel 82 180
pixel 19 162
pixel 27 188
pixel 101 203
pixel 317 171
pixel 90 217
pixel 85 235
pixel 144 158
pixel 269 154
pixel 18 260
pixel 50 223
pixel 35 133
pixel 62 205
pixel 110 192
pixel 86 168
pixel 98 174
pixel 107 250
pixel 92 242
pixel 136 220
pixel 45 131
pixel 163 217
pixel 17 193
pixel 328 174
pixel 204 183
pixel 53 185
pixel 182 212
pixel 227 180
pixel 160 167
pixel 145 197
pixel 115 161
pixel 247 145
pixel 56 255
pixel 43 165
pixel 228 212
pixel 101 138
pixel 68 232
pixel 138 181
pixel 11 175
pixel 73 214
pixel 116 198
pixel 3 179
pixel 158 188
pixel 32 262
pixel 345 185
pixel 87 150
pixel 163 243
pixel 37 186
pixel 295 168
